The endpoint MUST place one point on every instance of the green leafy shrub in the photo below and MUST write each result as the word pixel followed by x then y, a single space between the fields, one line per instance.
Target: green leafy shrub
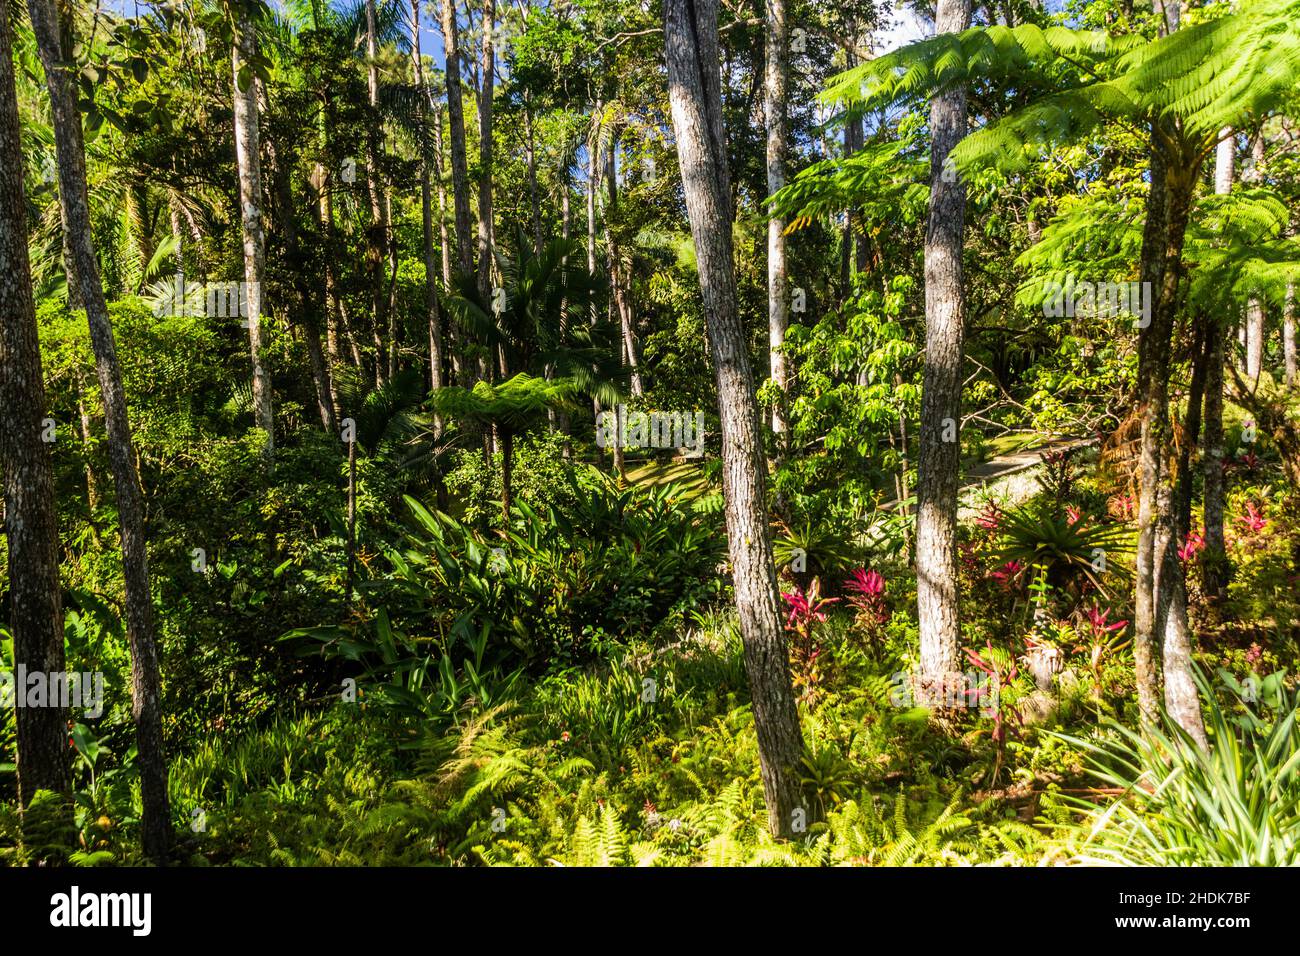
pixel 1238 805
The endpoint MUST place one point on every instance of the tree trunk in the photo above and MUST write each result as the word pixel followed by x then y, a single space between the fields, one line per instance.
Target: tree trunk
pixel 939 439
pixel 1254 339
pixel 1255 314
pixel 426 210
pixel 694 91
pixel 1214 558
pixel 1169 595
pixel 247 154
pixel 1151 270
pixel 454 346
pixel 593 187
pixel 87 436
pixel 1289 316
pixel 379 236
pixel 141 637
pixel 352 517
pixel 456 123
pixel 1183 475
pixel 619 278
pixel 775 83
pixel 566 206
pixel 31 522
pixel 487 68
pixel 530 156
pixel 328 294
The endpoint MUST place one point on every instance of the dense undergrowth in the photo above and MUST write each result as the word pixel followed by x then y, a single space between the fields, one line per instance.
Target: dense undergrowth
pixel 554 694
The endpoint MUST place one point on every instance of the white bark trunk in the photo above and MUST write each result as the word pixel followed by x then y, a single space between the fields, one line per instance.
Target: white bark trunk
pixel 248 158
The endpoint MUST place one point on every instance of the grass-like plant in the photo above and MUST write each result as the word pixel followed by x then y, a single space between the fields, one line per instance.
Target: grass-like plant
pixel 1237 805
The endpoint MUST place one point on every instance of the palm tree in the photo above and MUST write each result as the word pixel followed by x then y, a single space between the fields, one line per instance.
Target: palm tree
pixel 537 322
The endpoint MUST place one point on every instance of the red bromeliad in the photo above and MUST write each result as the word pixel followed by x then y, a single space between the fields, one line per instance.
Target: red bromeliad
pixel 803 610
pixel 1253 520
pixel 1106 643
pixel 806 611
pixel 990 519
pixel 1100 626
pixel 866 583
pixel 1193 546
pixel 867 597
pixel 1123 507
pixel 1007 574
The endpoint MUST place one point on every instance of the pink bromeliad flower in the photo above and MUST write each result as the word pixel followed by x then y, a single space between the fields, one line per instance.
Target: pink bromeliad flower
pixel 1007 574
pixel 1123 507
pixel 1253 520
pixel 867 596
pixel 866 583
pixel 1097 621
pixel 1193 546
pixel 803 611
pixel 1073 515
pixel 990 519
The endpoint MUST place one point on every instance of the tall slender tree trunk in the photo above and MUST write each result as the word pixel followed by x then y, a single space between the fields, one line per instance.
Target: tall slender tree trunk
pixel 487 69
pixel 248 158
pixel 694 92
pixel 939 439
pixel 87 436
pixel 1183 474
pixel 1214 559
pixel 559 419
pixel 457 370
pixel 1255 313
pixel 426 210
pixel 456 130
pixel 350 579
pixel 619 277
pixel 444 243
pixel 31 521
pixel 339 325
pixel 1151 270
pixel 1168 602
pixel 566 201
pixel 530 157
pixel 322 183
pixel 82 387
pixel 855 238
pixel 775 85
pixel 1255 316
pixel 1289 315
pixel 379 239
pixel 56 57
pixel 593 188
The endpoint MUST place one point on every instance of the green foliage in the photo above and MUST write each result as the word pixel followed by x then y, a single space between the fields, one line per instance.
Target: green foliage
pixel 1064 550
pixel 1238 805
